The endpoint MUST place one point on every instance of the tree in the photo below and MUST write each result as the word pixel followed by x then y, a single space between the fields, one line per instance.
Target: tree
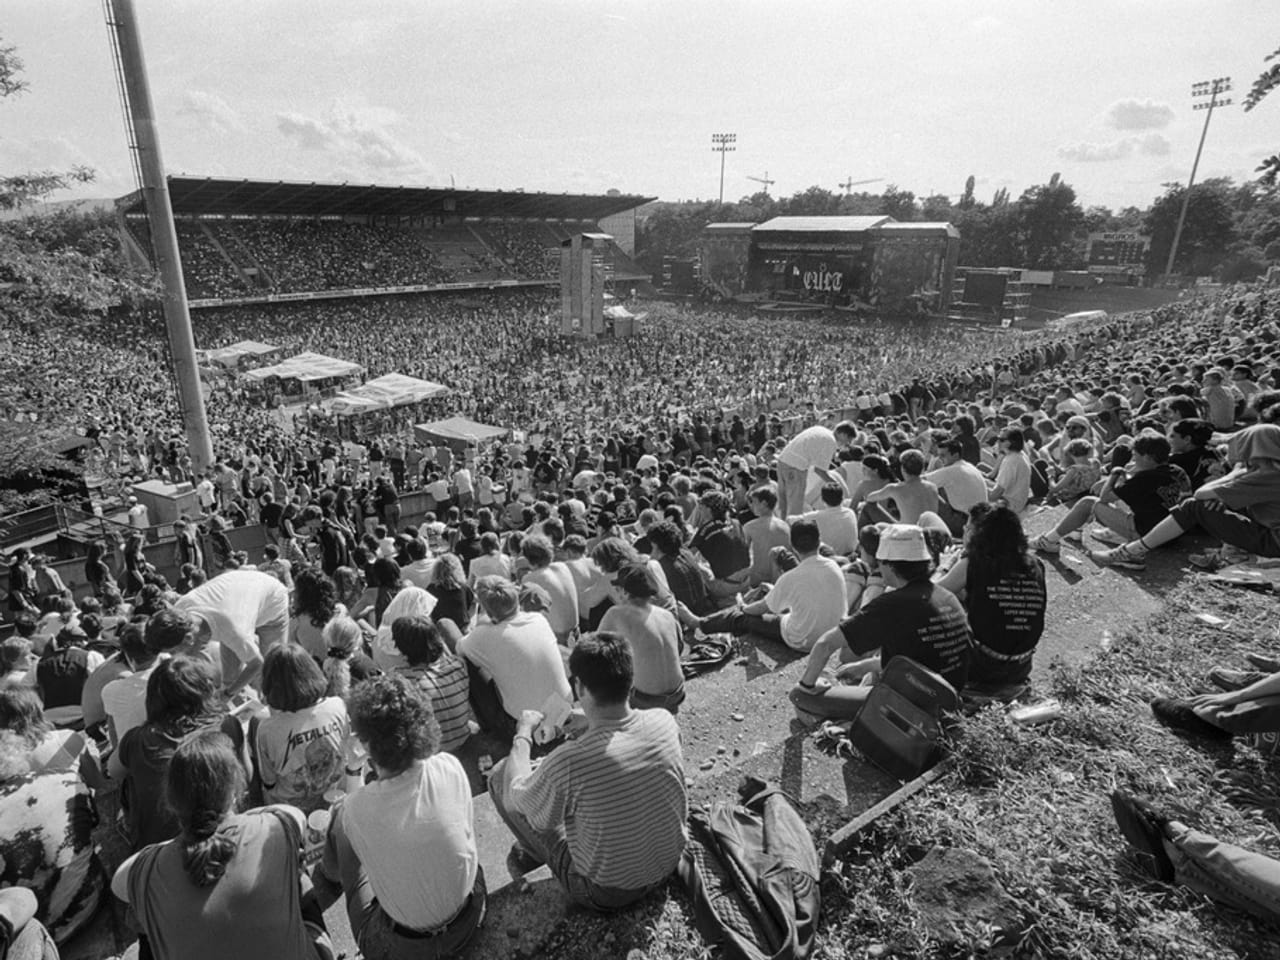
pixel 936 207
pixel 1209 231
pixel 813 202
pixel 1051 222
pixel 1267 81
pixel 966 198
pixel 53 269
pixel 897 203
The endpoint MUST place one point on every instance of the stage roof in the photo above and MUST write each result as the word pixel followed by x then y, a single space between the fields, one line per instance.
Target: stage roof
pixel 822 224
pixel 210 196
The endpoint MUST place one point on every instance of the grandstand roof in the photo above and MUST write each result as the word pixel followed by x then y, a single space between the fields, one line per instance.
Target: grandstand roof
pixel 821 224
pixel 210 196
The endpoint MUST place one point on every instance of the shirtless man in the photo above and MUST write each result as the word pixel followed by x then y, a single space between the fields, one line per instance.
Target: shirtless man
pixel 764 533
pixel 913 496
pixel 654 635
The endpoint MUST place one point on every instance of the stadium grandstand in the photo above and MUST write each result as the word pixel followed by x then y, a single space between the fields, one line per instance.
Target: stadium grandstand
pixel 258 241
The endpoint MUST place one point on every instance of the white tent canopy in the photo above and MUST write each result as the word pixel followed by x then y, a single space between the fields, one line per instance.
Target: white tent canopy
pixel 306 367
pixel 392 390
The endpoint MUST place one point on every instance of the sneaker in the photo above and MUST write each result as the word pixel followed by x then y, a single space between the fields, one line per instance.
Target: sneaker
pixel 1179 717
pixel 1209 560
pixel 1107 535
pixel 1230 680
pixel 1264 661
pixel 1118 557
pixel 1144 828
pixel 1042 544
pixel 520 861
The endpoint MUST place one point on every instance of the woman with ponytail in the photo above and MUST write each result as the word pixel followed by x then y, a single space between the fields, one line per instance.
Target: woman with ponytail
pixel 230 884
pixel 345 662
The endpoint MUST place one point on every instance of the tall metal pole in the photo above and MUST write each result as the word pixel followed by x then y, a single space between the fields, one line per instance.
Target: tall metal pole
pixel 164 236
pixel 1213 88
pixel 722 143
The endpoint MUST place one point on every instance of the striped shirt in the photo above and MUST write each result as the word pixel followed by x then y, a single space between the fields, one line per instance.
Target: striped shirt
pixel 445 682
pixel 619 792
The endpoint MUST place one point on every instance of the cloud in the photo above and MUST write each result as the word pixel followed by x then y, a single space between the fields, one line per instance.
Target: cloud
pixel 1134 114
pixel 208 111
pixel 1085 152
pixel 1154 145
pixel 1150 145
pixel 358 140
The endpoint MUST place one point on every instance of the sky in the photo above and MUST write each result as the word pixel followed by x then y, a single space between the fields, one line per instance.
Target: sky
pixel 583 96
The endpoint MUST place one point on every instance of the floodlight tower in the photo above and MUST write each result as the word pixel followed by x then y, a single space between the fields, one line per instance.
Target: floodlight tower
pixel 144 145
pixel 723 143
pixel 1210 89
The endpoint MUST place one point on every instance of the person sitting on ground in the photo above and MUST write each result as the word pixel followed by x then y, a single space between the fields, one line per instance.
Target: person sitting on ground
pixel 804 604
pixel 1250 705
pixel 455 600
pixel 555 578
pixel 514 659
pixel 654 636
pixel 911 498
pixel 1012 482
pixel 1175 853
pixel 124 700
pixel 688 581
pixel 765 532
pixel 1189 440
pixel 720 541
pixel 440 674
pixel 315 603
pixel 837 524
pixel 1242 509
pixel 65 668
pixel 345 662
pixel 246 613
pixel 297 750
pixel 960 485
pixel 1082 472
pixel 1001 585
pixel 93 712
pixel 1131 502
pixel 404 845
pixel 607 810
pixel 46 840
pixel 916 618
pixel 51 750
pixel 182 698
pixel 409 602
pixel 228 884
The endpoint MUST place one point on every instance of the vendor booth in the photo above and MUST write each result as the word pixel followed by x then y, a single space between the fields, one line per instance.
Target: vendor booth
pixel 246 353
pixel 306 376
pixel 384 405
pixel 457 432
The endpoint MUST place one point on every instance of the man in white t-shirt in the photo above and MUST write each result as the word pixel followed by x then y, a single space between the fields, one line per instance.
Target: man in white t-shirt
pixel 465 487
pixel 138 518
pixel 805 603
pixel 960 484
pixel 246 612
pixel 515 649
pixel 837 524
pixel 814 449
pixel 1013 476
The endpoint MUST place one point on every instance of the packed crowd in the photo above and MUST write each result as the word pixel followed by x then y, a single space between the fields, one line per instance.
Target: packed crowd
pixel 303 716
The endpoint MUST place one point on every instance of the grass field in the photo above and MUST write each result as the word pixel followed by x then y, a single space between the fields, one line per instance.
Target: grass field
pixel 1033 801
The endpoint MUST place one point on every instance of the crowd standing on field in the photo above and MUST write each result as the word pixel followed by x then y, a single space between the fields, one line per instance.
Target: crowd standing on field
pixel 854 492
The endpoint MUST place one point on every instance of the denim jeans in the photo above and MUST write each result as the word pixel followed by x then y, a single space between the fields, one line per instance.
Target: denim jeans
pixel 1253 716
pixel 1224 872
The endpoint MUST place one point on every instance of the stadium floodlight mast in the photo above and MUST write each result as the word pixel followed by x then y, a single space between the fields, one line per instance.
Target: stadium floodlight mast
pixel 1210 89
pixel 135 91
pixel 723 143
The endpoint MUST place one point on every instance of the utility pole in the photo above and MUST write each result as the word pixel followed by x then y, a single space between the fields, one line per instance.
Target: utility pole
pixel 122 24
pixel 1210 88
pixel 723 143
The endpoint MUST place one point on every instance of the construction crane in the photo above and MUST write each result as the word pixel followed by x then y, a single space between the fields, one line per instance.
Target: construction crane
pixel 764 181
pixel 849 184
